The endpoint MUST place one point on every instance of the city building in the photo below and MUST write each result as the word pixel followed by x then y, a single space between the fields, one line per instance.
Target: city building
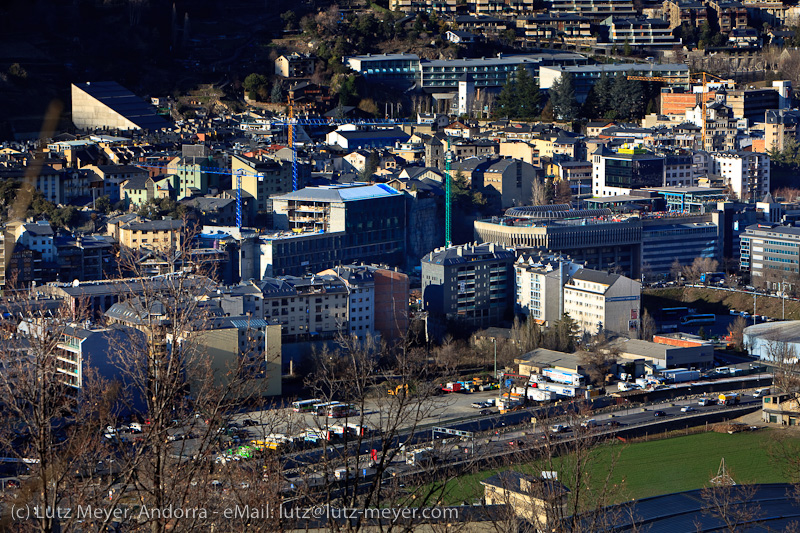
pixel 771 254
pixel 360 285
pixel 640 32
pixel 111 178
pixel 307 308
pixel 157 234
pixel 262 179
pixel 46 180
pixel 753 104
pixel 626 170
pixel 747 174
pixel 507 181
pixel 351 138
pixel 599 301
pixel 776 342
pixel 597 10
pixel 690 12
pixel 667 239
pixel 779 126
pixel 585 76
pixel 729 14
pixel 242 348
pixel 108 105
pixel 538 501
pixel 720 125
pixel 473 284
pixel 592 237
pixel 295 65
pixel 540 286
pixel 664 355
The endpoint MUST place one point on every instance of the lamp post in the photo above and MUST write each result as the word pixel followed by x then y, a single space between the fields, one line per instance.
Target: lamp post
pixel 494 341
pixel 783 299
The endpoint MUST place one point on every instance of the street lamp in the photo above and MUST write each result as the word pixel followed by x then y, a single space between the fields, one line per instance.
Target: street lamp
pixel 783 299
pixel 494 341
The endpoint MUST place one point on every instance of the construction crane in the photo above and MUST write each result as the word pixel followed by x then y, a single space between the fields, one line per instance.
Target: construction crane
pixel 700 77
pixel 448 158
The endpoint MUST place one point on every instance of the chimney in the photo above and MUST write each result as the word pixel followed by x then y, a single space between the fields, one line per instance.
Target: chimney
pixel 460 251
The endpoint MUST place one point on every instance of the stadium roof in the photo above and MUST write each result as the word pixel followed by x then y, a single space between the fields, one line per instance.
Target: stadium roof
pixel 770 507
pixel 124 102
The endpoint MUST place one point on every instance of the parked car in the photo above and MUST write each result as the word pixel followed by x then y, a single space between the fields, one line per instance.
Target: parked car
pixel 486 411
pixel 249 423
pixel 559 428
pixel 613 424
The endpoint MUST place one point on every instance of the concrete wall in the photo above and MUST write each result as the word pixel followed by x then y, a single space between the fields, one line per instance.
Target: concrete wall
pixel 88 113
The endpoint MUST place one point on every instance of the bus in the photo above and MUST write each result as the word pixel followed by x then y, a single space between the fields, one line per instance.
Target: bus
pixel 698 320
pixel 341 410
pixel 321 409
pixel 304 406
pixel 674 312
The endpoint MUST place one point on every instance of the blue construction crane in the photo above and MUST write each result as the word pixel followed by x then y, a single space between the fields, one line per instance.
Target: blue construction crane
pixel 292 123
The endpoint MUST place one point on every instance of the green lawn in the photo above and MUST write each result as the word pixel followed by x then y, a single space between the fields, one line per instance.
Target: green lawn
pixel 658 467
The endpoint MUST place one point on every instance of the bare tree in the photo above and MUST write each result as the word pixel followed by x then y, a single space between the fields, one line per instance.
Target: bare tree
pixel 54 409
pixel 538 193
pixel 731 504
pixel 648 326
pixel 736 332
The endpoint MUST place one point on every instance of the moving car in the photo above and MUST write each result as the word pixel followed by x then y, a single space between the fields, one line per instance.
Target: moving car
pixel 687 409
pixel 659 413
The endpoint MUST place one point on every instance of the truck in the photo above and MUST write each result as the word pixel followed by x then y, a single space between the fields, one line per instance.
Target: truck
pixel 760 393
pixel 541 395
pixel 353 473
pixel 728 398
pixel 452 386
pixel 705 400
pixel 560 389
pixel 681 375
pixel 415 457
pixel 562 376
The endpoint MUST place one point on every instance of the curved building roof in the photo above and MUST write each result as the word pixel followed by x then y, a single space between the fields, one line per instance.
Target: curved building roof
pixel 554 212
pixel 785 331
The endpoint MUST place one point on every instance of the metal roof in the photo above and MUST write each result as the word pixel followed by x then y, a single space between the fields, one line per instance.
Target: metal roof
pixel 342 193
pixel 124 102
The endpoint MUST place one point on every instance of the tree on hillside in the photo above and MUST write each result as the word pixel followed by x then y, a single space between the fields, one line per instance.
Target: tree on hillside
pixel 507 103
pixel 276 96
pixel 528 96
pixel 562 95
pixel 256 86
pixel 736 331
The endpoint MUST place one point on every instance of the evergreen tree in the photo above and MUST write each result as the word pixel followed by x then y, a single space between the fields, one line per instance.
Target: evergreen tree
pixel 277 94
pixel 602 94
pixel 507 103
pixel 528 98
pixel 562 94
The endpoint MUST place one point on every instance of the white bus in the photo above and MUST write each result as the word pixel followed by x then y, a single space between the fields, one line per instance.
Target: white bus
pixel 303 406
pixel 342 410
pixel 321 409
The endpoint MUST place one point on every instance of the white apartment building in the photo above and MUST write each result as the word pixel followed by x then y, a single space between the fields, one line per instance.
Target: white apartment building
pixel 36 236
pixel 540 281
pixel 598 300
pixel 361 289
pixel 746 173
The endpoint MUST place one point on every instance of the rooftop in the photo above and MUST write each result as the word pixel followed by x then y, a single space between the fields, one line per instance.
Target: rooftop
pixel 341 193
pixel 124 102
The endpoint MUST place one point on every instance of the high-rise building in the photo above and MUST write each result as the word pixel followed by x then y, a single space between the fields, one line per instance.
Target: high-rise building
pixel 473 284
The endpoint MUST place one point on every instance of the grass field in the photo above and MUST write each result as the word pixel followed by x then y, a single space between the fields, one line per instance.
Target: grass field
pixel 658 467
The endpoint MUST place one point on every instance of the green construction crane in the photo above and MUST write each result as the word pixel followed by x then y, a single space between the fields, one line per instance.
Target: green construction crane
pixel 448 157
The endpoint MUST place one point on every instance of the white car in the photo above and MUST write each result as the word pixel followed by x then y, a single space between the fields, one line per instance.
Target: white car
pixel 687 409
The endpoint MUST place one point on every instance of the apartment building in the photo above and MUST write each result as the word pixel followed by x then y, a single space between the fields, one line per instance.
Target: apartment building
pixel 682 239
pixel 540 286
pixel 113 176
pixel 473 284
pixel 311 307
pixel 262 179
pixel 157 234
pixel 596 10
pixel 640 32
pixel 360 284
pixel 689 12
pixel 746 173
pixel 508 181
pixel 720 126
pixel 729 14
pixel 556 26
pixel 295 65
pixel 779 126
pixel 602 301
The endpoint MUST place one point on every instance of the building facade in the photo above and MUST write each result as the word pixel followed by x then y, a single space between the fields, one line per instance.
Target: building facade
pixel 470 284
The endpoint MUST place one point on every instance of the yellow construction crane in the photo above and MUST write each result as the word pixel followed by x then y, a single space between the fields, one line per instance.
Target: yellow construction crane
pixel 700 77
